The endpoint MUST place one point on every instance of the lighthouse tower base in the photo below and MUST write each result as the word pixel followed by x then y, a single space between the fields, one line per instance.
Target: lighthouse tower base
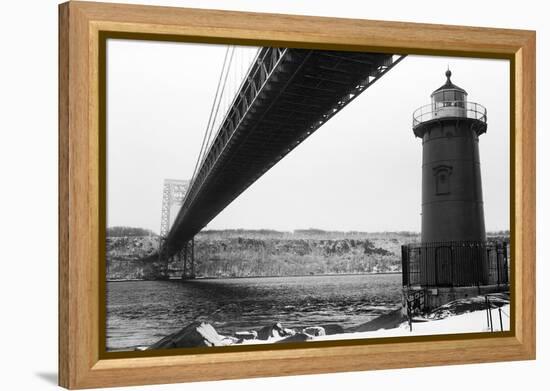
pixel 437 273
pixel 423 299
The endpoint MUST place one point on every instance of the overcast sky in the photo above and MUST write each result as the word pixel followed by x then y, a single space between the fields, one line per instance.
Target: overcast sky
pixel 360 171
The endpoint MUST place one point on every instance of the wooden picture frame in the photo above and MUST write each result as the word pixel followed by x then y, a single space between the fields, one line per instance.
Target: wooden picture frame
pixel 83 28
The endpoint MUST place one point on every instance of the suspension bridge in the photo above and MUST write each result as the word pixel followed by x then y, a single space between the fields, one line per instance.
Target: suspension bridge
pixel 258 116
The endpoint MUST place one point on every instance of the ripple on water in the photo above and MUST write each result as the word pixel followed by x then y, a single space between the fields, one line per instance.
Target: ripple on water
pixel 141 312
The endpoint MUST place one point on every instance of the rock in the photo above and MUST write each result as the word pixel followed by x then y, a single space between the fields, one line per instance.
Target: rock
pixel 387 321
pixel 246 335
pixel 314 331
pixel 298 337
pixel 289 332
pixel 275 330
pixel 331 329
pixel 197 334
pixel 228 340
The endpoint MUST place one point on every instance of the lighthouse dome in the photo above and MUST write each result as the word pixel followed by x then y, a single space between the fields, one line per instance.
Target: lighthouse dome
pixel 449 92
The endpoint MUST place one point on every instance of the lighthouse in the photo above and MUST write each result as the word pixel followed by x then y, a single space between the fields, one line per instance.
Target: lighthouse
pixel 452 199
pixel 453 259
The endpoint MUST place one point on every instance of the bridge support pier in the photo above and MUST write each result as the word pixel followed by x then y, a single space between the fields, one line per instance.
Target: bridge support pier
pixel 184 259
pixel 161 267
pixel 188 253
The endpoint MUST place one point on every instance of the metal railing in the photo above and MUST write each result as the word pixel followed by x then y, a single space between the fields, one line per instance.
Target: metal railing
pixel 446 109
pixel 489 306
pixel 416 304
pixel 459 263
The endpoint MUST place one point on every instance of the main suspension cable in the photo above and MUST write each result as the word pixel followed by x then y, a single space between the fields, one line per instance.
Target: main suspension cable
pixel 228 71
pixel 210 116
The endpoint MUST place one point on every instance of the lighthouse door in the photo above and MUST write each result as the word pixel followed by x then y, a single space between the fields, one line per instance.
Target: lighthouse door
pixel 444 266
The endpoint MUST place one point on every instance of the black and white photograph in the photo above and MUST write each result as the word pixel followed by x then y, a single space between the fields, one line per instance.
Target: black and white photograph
pixel 271 195
pixel 275 195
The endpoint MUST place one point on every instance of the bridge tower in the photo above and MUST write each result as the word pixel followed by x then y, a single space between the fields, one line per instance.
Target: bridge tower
pixel 453 259
pixel 173 194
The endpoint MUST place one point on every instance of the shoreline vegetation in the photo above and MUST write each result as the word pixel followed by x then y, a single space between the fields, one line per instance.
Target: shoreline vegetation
pixel 132 253
pixel 469 315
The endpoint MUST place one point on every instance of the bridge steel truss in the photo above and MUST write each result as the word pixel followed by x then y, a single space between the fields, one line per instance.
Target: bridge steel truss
pixel 182 261
pixel 173 192
pixel 187 259
pixel 285 97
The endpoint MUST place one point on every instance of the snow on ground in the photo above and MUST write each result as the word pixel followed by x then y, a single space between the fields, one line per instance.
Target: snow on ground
pixel 471 322
pixel 474 321
pixel 467 315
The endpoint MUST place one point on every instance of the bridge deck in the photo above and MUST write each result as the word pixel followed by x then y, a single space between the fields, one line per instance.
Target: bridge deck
pixel 286 96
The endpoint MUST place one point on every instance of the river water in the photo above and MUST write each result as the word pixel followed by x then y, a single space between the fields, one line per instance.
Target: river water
pixel 141 312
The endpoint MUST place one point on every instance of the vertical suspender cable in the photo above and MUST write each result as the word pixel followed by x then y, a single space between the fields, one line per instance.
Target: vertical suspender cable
pixel 211 112
pixel 218 106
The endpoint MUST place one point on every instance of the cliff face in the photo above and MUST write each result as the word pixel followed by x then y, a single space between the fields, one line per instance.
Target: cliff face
pixel 131 257
pixel 263 253
pixel 238 257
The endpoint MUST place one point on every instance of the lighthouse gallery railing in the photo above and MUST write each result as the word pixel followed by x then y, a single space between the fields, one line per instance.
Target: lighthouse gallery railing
pixel 446 109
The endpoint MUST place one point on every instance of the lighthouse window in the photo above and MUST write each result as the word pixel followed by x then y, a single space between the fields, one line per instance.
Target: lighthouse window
pixel 442 179
pixel 449 96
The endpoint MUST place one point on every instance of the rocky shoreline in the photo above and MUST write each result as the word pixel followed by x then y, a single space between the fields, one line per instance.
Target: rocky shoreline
pixel 203 334
pixel 460 316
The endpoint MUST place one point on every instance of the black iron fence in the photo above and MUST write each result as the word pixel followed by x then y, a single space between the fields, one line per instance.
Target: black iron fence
pixel 455 263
